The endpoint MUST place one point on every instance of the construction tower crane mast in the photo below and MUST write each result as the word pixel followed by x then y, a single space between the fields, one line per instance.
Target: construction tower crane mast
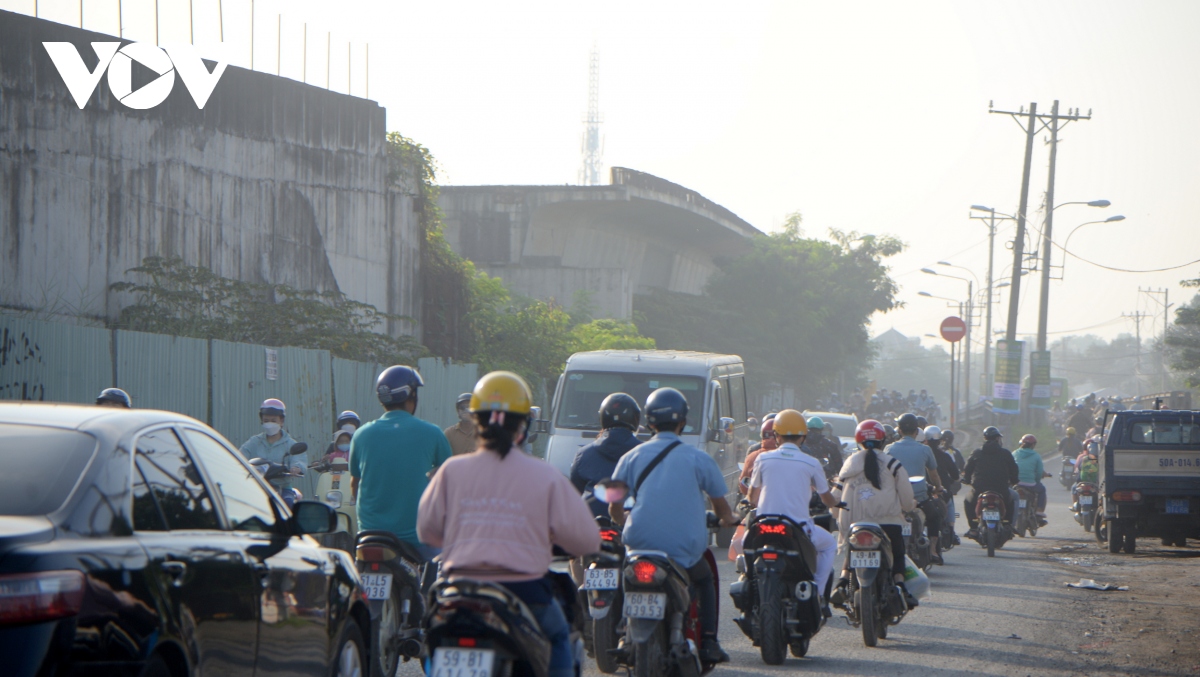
pixel 593 167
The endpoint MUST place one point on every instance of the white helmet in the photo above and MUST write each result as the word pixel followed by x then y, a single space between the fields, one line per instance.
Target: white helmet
pixel 933 433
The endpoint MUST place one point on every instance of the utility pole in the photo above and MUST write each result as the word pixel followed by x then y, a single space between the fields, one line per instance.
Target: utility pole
pixel 1137 368
pixel 990 220
pixel 1014 297
pixel 1166 306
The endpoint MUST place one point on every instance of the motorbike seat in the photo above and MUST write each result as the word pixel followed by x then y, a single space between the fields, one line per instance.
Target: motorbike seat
pixel 380 537
pixel 487 591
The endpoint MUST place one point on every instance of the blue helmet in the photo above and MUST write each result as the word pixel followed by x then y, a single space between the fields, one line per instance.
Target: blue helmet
pixel 397 384
pixel 115 396
pixel 665 406
pixel 348 417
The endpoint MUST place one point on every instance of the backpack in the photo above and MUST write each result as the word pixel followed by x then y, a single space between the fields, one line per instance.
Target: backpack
pixel 1089 470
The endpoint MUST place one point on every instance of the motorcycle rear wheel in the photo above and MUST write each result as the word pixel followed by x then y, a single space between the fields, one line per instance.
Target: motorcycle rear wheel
pixel 604 637
pixel 771 629
pixel 864 599
pixel 991 542
pixel 649 657
pixel 800 647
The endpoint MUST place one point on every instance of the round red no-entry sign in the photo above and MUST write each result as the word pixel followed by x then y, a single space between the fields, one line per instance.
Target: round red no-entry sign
pixel 953 329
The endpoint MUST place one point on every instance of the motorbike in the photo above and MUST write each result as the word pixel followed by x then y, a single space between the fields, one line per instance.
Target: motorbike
pixel 1086 504
pixel 777 593
pixel 272 471
pixel 916 543
pixel 994 530
pixel 948 539
pixel 1026 519
pixel 874 601
pixel 602 589
pixel 1066 475
pixel 390 570
pixel 333 484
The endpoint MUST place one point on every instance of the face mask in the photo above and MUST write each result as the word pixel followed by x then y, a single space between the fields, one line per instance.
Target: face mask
pixel 349 427
pixel 343 447
pixel 271 429
pixel 464 415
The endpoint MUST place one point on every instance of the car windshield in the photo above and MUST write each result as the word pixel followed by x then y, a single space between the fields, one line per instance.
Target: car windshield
pixel 839 427
pixel 41 466
pixel 583 391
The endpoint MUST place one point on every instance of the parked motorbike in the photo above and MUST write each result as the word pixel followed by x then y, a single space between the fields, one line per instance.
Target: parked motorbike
pixel 333 486
pixel 602 588
pixel 390 570
pixel 994 530
pixel 874 601
pixel 1026 519
pixel 777 593
pixel 1066 475
pixel 1086 505
pixel 272 471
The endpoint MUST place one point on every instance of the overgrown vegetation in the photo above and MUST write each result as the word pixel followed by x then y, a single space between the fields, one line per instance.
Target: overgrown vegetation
pixel 1183 339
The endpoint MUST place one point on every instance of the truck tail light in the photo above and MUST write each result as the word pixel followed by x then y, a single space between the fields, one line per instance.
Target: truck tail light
pixel 45 596
pixel 1127 496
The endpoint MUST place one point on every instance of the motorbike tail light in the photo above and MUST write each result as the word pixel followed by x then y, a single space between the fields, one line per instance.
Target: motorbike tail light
pixel 780 529
pixel 466 641
pixel 45 596
pixel 865 539
pixel 644 572
pixel 374 553
pixel 608 535
pixel 334 499
pixel 770 556
pixel 1127 496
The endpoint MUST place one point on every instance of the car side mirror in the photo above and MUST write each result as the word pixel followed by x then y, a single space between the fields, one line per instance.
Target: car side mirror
pixel 314 517
pixel 297 449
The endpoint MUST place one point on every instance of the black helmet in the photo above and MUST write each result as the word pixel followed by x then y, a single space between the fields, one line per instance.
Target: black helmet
pixel 462 401
pixel 908 423
pixel 397 384
pixel 922 422
pixel 991 433
pixel 665 406
pixel 619 409
pixel 115 395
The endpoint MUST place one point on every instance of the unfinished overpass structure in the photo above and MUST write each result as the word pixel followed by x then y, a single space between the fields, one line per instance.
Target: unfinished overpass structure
pixel 613 241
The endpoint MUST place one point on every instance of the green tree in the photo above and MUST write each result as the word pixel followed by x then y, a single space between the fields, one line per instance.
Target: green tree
pixel 1183 339
pixel 609 335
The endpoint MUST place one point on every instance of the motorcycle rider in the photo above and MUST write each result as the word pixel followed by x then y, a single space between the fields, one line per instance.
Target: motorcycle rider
pixel 759 444
pixel 1029 463
pixel 668 512
pixel 114 397
pixel 990 468
pixel 620 417
pixel 874 488
pixel 947 470
pixel 347 423
pixel 464 435
pixel 769 443
pixel 498 512
pixel 783 484
pixel 391 458
pixel 949 448
pixel 919 460
pixel 1070 446
pixel 821 447
pixel 273 443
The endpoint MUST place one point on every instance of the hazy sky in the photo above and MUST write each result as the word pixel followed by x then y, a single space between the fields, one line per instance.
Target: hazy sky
pixel 866 116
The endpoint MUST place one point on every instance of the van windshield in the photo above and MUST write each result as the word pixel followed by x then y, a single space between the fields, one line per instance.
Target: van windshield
pixel 583 391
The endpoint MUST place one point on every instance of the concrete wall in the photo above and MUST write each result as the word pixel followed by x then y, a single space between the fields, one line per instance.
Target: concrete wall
pixel 273 181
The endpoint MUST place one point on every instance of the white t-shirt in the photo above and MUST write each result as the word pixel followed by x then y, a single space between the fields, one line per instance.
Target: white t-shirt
pixel 787 477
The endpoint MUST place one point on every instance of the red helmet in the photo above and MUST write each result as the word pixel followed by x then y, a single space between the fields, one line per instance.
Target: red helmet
pixel 768 426
pixel 870 434
pixel 1029 441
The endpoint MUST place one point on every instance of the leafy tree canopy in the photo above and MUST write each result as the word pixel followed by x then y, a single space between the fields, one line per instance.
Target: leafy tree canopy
pixel 1183 339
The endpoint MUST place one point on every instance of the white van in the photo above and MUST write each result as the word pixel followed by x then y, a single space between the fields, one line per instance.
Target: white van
pixel 715 387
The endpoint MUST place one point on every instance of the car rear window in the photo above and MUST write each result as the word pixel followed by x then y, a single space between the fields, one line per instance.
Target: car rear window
pixel 1164 432
pixel 41 466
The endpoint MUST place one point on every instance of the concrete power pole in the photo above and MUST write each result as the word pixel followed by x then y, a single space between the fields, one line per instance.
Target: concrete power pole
pixel 1166 306
pixel 1014 296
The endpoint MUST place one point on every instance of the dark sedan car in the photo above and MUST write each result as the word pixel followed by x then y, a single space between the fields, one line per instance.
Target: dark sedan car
pixel 139 542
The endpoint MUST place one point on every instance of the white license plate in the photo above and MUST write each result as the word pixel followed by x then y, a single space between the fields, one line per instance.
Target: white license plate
pixel 906 529
pixel 463 662
pixel 1021 503
pixel 377 586
pixel 991 515
pixel 645 605
pixel 1086 500
pixel 601 579
pixel 1177 506
pixel 864 560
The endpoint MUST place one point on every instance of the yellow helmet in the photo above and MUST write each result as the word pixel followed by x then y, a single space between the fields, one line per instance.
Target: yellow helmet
pixel 790 422
pixel 502 391
pixel 1070 431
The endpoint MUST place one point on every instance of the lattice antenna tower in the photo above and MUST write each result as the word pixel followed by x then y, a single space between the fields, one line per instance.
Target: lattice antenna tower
pixel 593 166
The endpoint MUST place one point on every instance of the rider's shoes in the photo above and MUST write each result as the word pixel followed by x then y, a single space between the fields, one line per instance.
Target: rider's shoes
pixel 908 597
pixel 936 558
pixel 957 541
pixel 972 533
pixel 840 593
pixel 711 651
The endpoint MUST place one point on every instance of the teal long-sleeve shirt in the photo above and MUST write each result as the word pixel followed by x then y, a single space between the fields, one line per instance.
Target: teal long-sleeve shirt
pixel 1029 462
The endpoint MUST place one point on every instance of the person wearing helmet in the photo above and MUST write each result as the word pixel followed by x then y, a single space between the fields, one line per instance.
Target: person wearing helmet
pixel 919 461
pixel 758 445
pixel 274 443
pixel 669 481
pixel 347 422
pixel 391 459
pixel 498 512
pixel 464 435
pixel 874 488
pixel 769 443
pixel 1031 470
pixel 949 448
pixel 620 417
pixel 783 484
pixel 1070 446
pixel 948 472
pixel 822 448
pixel 114 397
pixel 990 468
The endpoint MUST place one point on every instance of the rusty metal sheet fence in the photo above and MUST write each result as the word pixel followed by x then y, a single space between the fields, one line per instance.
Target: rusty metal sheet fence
pixel 444 381
pixel 354 389
pixel 163 372
pixel 53 361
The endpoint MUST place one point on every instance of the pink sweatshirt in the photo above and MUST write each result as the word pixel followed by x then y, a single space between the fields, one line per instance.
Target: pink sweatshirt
pixel 496 519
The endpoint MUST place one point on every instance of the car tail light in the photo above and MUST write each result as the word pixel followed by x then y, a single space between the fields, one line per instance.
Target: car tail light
pixel 644 572
pixel 374 553
pixel 33 598
pixel 1127 496
pixel 608 534
pixel 864 539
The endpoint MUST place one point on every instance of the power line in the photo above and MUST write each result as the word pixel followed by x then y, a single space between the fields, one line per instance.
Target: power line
pixel 1126 270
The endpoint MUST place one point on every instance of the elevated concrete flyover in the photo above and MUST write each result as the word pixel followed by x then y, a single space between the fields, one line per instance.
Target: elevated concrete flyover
pixel 636 234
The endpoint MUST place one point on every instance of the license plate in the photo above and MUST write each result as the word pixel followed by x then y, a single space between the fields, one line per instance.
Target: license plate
pixel 377 586
pixel 906 529
pixel 645 605
pixel 463 662
pixel 1021 503
pixel 1177 506
pixel 1086 500
pixel 601 579
pixel 864 560
pixel 991 515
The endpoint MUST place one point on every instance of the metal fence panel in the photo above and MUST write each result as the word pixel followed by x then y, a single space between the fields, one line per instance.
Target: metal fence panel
pixel 164 372
pixel 354 388
pixel 53 362
pixel 444 381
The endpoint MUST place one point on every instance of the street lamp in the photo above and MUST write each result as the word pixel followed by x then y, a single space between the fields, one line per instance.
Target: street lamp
pixel 1111 219
pixel 1047 243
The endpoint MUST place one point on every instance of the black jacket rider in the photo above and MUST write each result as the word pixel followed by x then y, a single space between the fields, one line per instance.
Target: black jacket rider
pixel 597 461
pixel 991 468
